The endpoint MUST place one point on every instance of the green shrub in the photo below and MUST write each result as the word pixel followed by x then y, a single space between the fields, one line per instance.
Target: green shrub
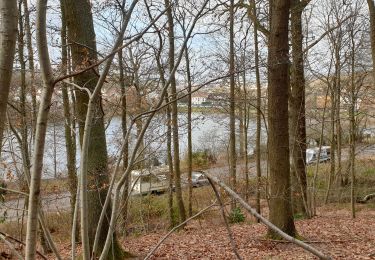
pixel 203 158
pixel 236 216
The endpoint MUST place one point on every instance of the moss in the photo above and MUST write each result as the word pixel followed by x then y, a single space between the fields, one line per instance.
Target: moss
pixel 300 215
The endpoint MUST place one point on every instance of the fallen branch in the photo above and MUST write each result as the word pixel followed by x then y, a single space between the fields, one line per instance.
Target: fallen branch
pixel 22 243
pixel 266 221
pixel 366 198
pixel 309 242
pixel 12 248
pixel 175 228
pixel 230 235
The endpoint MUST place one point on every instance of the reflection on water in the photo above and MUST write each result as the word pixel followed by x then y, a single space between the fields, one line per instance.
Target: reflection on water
pixel 210 131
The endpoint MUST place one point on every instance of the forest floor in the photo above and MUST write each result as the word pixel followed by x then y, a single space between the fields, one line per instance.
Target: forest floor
pixel 333 231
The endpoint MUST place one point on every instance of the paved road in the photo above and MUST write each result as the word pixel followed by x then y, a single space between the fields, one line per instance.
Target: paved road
pixel 61 202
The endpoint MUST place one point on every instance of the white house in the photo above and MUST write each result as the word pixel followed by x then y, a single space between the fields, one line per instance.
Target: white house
pixel 198 98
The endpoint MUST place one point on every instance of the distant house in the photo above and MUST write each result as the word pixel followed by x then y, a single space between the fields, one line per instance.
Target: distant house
pixel 199 98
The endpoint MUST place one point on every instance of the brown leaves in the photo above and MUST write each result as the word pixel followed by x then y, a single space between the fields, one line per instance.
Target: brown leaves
pixel 333 231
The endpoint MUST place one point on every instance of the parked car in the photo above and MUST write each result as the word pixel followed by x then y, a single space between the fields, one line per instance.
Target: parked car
pixel 312 154
pixel 198 179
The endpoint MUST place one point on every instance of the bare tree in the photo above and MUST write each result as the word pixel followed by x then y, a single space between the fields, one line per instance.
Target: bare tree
pixel 30 52
pixel 176 150
pixel 232 113
pixel 37 165
pixel 297 111
pixel 69 126
pixel 371 7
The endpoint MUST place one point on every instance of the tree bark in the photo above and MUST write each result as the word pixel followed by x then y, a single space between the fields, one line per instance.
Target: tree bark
pixel 258 107
pixel 189 130
pixel 232 107
pixel 371 6
pixel 8 36
pixel 297 113
pixel 124 128
pixel 281 213
pixel 352 119
pixel 69 131
pixel 31 63
pixel 176 149
pixel 80 26
pixel 37 165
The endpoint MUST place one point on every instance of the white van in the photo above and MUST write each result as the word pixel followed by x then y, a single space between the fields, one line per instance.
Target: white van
pixel 312 154
pixel 153 180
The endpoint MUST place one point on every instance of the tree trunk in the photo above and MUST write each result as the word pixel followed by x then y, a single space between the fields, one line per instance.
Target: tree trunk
pixel 80 26
pixel 333 142
pixel 371 6
pixel 69 131
pixel 297 113
pixel 281 213
pixel 176 149
pixel 343 178
pixel 31 63
pixel 170 163
pixel 258 117
pixel 41 129
pixel 168 133
pixel 352 115
pixel 8 36
pixel 124 128
pixel 189 131
pixel 232 107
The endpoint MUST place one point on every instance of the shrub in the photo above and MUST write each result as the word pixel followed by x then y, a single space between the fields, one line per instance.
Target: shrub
pixel 203 158
pixel 236 216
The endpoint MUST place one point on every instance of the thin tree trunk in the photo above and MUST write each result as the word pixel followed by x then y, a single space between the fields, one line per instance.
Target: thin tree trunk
pixel 8 36
pixel 23 114
pixel 70 143
pixel 169 130
pixel 31 63
pixel 176 150
pixel 258 117
pixel 232 115
pixel 281 214
pixel 371 6
pixel 189 132
pixel 333 142
pixel 22 96
pixel 314 191
pixel 352 107
pixel 37 165
pixel 343 179
pixel 170 163
pixel 297 113
pixel 124 128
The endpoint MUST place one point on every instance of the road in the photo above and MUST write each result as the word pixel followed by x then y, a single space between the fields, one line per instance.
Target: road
pixel 61 202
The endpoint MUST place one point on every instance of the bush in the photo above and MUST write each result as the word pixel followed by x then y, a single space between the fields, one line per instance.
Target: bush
pixel 203 158
pixel 236 216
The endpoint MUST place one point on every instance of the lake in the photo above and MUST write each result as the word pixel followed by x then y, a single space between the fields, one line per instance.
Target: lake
pixel 209 131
